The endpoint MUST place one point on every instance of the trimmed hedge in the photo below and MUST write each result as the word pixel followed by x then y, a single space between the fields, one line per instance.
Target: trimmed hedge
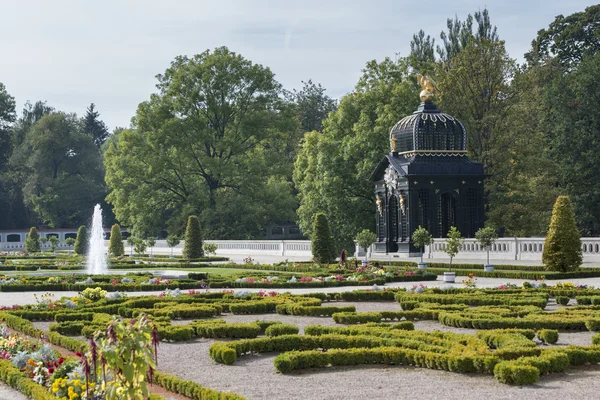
pixel 549 336
pixel 16 379
pixel 295 360
pixel 191 389
pixel 314 311
pixel 281 329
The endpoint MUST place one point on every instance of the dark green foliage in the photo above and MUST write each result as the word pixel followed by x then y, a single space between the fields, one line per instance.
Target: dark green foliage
pixel 512 373
pixel 193 239
pixel 549 336
pixel 32 243
pixel 82 241
pixel 94 126
pixel 562 249
pixel 281 329
pixel 115 246
pixel 562 300
pixel 323 247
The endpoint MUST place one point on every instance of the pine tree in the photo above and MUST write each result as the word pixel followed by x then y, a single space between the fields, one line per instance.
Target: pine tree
pixel 94 126
pixel 81 243
pixel 32 243
pixel 193 239
pixel 562 249
pixel 323 248
pixel 115 246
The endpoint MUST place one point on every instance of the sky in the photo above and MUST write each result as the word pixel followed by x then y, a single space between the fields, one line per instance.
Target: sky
pixel 71 53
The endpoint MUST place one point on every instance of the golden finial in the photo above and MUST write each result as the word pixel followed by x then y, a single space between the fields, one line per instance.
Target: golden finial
pixel 429 88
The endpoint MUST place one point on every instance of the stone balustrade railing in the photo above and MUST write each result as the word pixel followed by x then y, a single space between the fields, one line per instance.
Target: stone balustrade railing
pixel 526 249
pixel 282 248
pixel 509 249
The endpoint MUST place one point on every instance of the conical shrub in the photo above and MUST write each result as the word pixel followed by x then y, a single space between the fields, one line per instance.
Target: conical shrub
pixel 115 246
pixel 323 247
pixel 32 243
pixel 562 249
pixel 81 242
pixel 193 239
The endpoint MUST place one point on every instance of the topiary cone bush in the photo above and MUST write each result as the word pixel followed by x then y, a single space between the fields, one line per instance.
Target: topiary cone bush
pixel 562 249
pixel 32 243
pixel 323 249
pixel 193 239
pixel 115 246
pixel 81 242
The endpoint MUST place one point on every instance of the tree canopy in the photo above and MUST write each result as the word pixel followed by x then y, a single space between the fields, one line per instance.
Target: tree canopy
pixel 216 140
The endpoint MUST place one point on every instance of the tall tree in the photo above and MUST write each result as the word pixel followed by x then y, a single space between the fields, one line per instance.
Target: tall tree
pixel 94 126
pixel 422 48
pixel 313 105
pixel 61 170
pixel 568 39
pixel 213 142
pixel 574 128
pixel 7 117
pixel 460 34
pixel 525 184
pixel 332 169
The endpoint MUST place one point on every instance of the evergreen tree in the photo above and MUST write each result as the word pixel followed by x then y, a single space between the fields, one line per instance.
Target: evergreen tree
pixel 323 249
pixel 562 249
pixel 94 126
pixel 32 243
pixel 115 246
pixel 81 243
pixel 193 239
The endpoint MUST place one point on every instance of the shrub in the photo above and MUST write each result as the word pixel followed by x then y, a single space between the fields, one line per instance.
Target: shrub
pixel 32 243
pixel 453 243
pixel 562 249
pixel 193 239
pixel 549 336
pixel 323 249
pixel 115 246
pixel 172 241
pixel 421 238
pixel 281 329
pixel 593 324
pixel 486 238
pixel 513 373
pixel 81 242
pixel 562 300
pixel 596 339
pixel 365 239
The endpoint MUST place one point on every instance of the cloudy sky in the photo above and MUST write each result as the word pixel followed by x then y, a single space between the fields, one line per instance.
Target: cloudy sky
pixel 74 52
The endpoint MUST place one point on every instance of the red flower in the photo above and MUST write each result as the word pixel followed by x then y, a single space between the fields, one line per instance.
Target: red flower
pixel 78 354
pixel 60 361
pixel 50 370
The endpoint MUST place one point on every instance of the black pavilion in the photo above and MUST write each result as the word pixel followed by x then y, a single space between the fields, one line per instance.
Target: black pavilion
pixel 427 179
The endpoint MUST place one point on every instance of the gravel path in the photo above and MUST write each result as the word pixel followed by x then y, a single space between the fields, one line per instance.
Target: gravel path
pixel 8 393
pixel 254 376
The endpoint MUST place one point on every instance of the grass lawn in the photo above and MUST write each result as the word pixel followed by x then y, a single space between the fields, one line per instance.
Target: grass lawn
pixel 212 271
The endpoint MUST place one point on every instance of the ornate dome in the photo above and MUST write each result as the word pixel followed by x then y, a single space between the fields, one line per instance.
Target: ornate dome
pixel 428 131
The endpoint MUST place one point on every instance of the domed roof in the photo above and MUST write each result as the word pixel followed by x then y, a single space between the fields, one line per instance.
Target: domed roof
pixel 428 131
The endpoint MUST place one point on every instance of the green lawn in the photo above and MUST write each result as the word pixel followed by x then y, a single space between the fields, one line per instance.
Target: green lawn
pixel 212 271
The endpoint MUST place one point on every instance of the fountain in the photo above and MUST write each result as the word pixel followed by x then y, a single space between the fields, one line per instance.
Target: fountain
pixel 96 260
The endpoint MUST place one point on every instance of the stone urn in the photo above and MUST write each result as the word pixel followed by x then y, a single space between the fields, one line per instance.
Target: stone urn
pixel 449 277
pixel 488 268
